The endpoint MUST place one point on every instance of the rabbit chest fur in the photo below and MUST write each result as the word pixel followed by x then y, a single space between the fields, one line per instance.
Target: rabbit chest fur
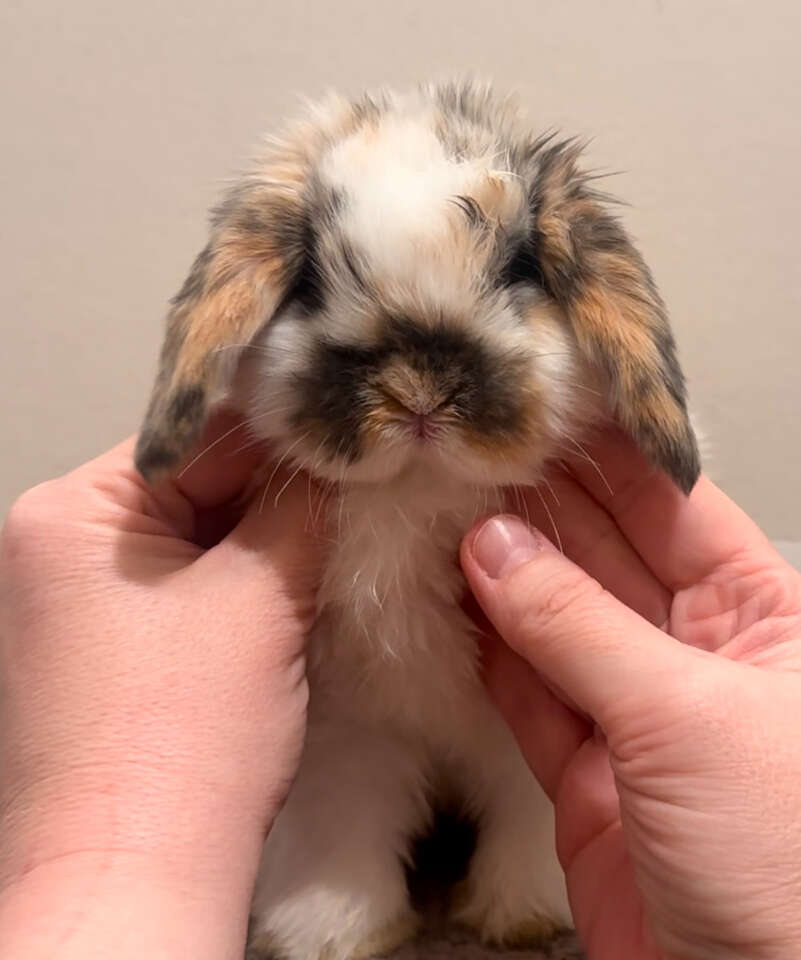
pixel 399 720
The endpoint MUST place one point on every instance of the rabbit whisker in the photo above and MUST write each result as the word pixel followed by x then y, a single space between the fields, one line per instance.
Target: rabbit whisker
pixel 547 510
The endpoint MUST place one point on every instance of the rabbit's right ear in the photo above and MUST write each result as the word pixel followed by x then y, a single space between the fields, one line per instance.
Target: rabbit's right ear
pixel 235 285
pixel 255 257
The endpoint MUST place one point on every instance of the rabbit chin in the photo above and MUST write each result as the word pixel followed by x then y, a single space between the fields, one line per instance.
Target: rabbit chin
pixel 444 461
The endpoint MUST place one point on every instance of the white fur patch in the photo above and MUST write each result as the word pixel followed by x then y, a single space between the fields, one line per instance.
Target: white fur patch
pixel 397 182
pixel 400 189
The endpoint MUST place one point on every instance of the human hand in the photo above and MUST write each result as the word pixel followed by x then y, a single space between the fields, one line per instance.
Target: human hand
pixel 152 704
pixel 678 815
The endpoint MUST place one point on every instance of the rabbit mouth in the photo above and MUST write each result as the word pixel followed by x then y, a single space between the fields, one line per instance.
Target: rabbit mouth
pixel 424 428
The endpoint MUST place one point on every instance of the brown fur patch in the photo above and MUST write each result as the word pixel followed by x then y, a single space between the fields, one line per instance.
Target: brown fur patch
pixel 383 941
pixel 264 947
pixel 536 931
pixel 418 392
pixel 231 314
pixel 500 198
pixel 530 432
pixel 379 420
pixel 496 445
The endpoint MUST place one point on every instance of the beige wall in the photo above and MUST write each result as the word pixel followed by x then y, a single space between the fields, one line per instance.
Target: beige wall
pixel 121 120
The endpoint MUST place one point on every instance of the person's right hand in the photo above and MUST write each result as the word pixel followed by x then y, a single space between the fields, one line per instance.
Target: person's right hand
pixel 679 814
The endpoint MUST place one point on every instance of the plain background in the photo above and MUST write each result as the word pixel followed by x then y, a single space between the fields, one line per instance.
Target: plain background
pixel 120 123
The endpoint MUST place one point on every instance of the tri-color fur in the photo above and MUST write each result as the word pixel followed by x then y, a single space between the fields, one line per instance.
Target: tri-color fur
pixel 418 299
pixel 529 215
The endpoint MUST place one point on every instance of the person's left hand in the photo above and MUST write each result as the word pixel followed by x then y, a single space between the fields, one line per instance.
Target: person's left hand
pixel 152 699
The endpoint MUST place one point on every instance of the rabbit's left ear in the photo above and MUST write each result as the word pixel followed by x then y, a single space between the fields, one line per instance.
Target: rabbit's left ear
pixel 618 318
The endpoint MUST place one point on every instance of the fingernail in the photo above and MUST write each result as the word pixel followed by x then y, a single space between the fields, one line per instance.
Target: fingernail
pixel 503 544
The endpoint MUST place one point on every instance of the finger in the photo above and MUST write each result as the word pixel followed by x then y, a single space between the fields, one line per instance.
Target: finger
pixel 681 539
pixel 183 504
pixel 221 467
pixel 591 538
pixel 276 550
pixel 605 657
pixel 547 731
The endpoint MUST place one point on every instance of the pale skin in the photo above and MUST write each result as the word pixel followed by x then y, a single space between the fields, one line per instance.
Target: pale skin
pixel 152 704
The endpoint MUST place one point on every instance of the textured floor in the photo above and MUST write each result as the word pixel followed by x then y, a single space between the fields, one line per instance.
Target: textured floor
pixel 455 946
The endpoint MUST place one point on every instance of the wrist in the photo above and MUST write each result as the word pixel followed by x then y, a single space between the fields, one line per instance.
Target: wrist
pixel 96 904
pixel 154 814
pixel 144 868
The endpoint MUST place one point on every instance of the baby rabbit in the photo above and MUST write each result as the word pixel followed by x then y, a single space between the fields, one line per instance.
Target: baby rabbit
pixel 414 298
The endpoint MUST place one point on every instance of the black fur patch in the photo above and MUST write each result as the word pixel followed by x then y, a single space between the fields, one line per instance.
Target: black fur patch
pixel 523 266
pixel 308 288
pixel 351 262
pixel 440 858
pixel 677 456
pixel 187 406
pixel 472 211
pixel 152 456
pixel 309 285
pixel 483 386
pixel 473 102
pixel 331 396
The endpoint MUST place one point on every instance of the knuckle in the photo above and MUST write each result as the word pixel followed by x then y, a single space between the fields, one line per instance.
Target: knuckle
pixel 782 592
pixel 569 595
pixel 701 693
pixel 29 514
pixel 572 595
pixel 35 521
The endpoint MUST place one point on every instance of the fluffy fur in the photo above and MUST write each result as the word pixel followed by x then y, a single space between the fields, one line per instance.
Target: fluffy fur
pixel 417 300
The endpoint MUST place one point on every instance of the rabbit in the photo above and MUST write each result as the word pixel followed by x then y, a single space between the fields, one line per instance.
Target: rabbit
pixel 416 299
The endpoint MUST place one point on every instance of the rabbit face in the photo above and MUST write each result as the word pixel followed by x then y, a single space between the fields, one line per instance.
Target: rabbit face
pixel 418 281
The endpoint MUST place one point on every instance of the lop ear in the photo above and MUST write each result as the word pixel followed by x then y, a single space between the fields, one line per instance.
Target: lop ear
pixel 619 320
pixel 235 285
pixel 257 254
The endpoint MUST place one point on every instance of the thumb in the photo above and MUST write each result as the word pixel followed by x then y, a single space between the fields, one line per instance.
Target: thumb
pixel 604 657
pixel 276 551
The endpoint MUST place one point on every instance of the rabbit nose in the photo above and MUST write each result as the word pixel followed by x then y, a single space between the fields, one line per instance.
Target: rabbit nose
pixel 421 405
pixel 419 392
